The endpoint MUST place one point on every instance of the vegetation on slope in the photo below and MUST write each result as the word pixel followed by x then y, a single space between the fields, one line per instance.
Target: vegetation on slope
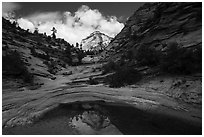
pixel 12 65
pixel 162 37
pixel 174 60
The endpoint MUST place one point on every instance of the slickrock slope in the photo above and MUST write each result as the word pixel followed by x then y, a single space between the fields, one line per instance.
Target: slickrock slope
pixel 33 57
pixel 96 41
pixel 24 107
pixel 17 57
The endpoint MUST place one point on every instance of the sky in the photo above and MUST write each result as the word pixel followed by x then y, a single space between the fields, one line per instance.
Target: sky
pixel 74 21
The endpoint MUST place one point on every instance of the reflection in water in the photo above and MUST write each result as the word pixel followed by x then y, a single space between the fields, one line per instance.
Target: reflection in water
pixel 93 122
pixel 97 119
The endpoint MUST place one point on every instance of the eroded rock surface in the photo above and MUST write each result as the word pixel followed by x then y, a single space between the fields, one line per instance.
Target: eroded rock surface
pixel 157 25
pixel 158 94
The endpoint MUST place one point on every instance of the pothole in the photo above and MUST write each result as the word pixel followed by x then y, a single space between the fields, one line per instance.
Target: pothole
pixel 98 117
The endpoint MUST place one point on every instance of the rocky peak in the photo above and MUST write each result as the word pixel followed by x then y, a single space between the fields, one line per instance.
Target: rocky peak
pixel 96 41
pixel 96 33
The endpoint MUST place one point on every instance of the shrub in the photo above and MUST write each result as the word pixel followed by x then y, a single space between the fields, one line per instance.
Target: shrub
pixel 13 65
pixel 175 60
pixel 39 55
pixel 179 60
pixel 44 56
pixel 39 44
pixel 147 56
pixel 122 77
pixel 5 47
pixel 92 81
pixel 130 55
pixel 27 77
pixel 109 67
pixel 52 68
pixel 67 60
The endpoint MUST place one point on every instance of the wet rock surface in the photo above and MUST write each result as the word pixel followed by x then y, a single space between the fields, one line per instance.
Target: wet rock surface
pixel 157 95
pixel 105 118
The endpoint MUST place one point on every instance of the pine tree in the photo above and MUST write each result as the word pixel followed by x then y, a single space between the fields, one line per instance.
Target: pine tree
pixel 80 46
pixel 77 45
pixel 68 53
pixel 53 32
pixel 36 31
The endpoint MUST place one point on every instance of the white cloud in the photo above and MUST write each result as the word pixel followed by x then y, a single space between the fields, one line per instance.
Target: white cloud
pixel 88 17
pixel 73 27
pixel 40 18
pixel 26 24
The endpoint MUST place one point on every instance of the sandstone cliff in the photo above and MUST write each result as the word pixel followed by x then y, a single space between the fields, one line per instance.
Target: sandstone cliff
pixel 157 25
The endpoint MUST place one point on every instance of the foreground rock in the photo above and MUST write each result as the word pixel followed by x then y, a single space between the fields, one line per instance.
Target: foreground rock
pixel 154 95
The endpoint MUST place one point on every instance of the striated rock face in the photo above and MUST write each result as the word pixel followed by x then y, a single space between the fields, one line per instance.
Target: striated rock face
pixel 156 25
pixel 96 41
